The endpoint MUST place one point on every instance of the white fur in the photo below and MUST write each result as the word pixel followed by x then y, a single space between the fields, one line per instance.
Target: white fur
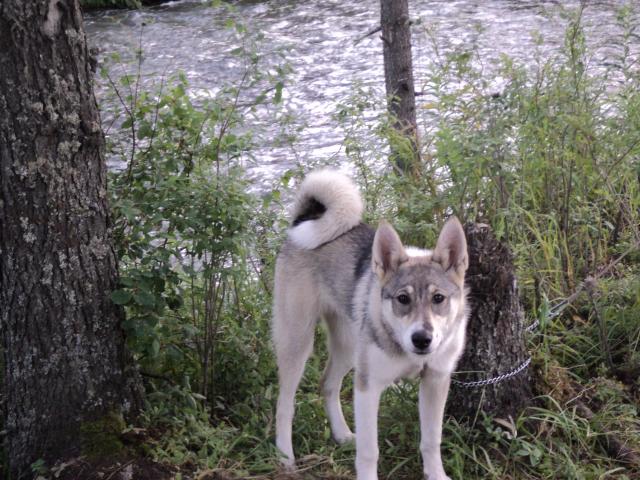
pixel 417 252
pixel 445 358
pixel 385 370
pixel 342 200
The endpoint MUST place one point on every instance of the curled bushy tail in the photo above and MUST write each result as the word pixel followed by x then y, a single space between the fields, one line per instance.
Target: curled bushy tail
pixel 328 204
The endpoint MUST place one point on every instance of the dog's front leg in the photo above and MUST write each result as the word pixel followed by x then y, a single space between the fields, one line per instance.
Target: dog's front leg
pixel 434 388
pixel 366 402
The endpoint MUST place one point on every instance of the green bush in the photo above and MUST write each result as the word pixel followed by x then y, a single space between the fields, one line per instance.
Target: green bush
pixel 185 224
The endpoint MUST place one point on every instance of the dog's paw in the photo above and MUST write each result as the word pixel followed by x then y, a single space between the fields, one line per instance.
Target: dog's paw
pixel 344 438
pixel 436 476
pixel 287 463
pixel 432 467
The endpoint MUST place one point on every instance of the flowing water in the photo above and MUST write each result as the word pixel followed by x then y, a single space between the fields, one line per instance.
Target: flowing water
pixel 325 43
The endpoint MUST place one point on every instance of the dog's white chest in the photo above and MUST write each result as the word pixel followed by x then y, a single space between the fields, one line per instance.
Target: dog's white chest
pixel 384 369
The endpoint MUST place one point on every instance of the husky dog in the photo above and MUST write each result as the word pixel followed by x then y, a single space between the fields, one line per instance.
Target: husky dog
pixel 391 312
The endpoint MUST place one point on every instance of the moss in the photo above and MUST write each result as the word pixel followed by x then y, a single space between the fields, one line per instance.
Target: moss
pixel 102 437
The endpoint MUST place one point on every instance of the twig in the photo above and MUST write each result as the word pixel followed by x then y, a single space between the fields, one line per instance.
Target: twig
pixel 593 278
pixel 591 286
pixel 158 377
pixel 375 30
pixel 119 468
pixel 260 275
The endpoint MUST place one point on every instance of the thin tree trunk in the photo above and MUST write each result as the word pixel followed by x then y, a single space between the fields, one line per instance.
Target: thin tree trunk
pixel 65 361
pixel 495 335
pixel 398 73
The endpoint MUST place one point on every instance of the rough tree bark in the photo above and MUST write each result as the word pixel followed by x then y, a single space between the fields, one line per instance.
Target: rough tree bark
pixel 398 74
pixel 65 361
pixel 495 335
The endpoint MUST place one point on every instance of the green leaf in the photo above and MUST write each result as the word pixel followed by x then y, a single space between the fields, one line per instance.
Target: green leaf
pixel 145 130
pixel 277 98
pixel 121 297
pixel 145 298
pixel 127 281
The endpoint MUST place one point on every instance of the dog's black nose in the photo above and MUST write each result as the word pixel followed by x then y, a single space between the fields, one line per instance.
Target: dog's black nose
pixel 421 339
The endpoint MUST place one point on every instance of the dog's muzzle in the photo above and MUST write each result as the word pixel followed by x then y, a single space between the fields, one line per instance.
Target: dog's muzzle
pixel 421 339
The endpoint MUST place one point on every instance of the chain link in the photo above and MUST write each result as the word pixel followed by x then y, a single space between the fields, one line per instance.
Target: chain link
pixel 504 376
pixel 494 380
pixel 533 326
pixel 553 312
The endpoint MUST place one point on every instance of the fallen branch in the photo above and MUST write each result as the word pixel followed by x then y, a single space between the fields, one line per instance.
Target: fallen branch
pixel 614 446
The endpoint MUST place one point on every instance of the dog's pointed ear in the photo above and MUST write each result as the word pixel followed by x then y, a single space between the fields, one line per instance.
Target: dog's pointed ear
pixel 451 249
pixel 388 252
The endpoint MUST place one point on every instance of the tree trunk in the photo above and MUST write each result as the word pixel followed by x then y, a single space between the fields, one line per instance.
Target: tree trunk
pixel 65 362
pixel 398 74
pixel 495 334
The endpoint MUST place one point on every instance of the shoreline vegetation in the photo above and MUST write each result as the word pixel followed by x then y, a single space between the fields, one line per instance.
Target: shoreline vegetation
pixel 107 4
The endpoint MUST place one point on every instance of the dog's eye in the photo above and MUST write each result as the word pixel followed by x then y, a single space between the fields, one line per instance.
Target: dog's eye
pixel 404 299
pixel 438 298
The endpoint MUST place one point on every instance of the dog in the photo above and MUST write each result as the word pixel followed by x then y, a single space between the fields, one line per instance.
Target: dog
pixel 392 312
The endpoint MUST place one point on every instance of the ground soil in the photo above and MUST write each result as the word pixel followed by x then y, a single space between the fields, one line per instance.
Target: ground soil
pixel 114 469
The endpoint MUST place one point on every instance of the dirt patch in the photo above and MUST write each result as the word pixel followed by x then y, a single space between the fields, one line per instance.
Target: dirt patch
pixel 139 468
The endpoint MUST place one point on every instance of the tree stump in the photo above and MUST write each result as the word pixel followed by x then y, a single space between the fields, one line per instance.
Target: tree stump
pixel 495 334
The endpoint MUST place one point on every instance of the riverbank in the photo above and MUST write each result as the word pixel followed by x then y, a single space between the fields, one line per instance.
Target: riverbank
pixel 89 5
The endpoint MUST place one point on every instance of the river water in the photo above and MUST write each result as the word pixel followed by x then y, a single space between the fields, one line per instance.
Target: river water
pixel 322 41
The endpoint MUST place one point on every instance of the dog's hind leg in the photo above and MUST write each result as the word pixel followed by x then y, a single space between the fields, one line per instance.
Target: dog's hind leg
pixel 339 363
pixel 293 330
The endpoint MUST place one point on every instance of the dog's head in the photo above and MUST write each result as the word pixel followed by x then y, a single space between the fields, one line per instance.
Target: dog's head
pixel 422 291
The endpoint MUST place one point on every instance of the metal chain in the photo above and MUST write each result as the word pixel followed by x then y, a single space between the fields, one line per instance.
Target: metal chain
pixel 494 380
pixel 505 376
pixel 553 312
pixel 533 326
